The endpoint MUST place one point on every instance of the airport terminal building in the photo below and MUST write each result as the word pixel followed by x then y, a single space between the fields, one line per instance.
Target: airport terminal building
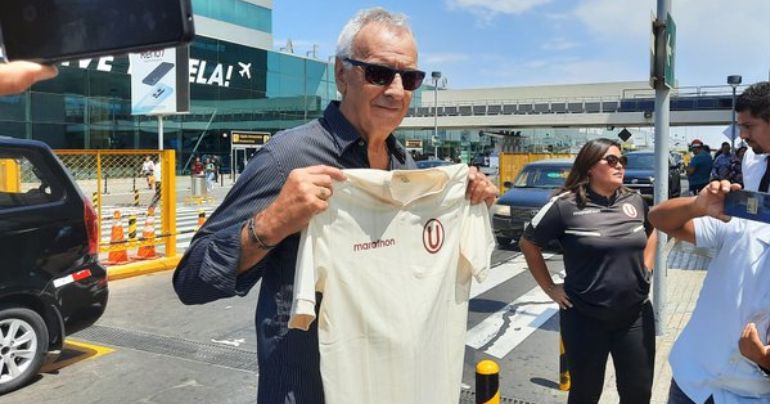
pixel 237 82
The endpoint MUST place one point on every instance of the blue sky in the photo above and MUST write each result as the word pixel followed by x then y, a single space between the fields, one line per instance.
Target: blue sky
pixel 497 43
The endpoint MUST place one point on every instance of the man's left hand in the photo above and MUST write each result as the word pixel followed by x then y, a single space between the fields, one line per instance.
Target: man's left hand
pixel 480 188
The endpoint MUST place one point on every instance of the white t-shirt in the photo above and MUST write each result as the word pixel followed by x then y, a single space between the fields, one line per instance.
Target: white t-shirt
pixel 393 256
pixel 705 359
pixel 753 168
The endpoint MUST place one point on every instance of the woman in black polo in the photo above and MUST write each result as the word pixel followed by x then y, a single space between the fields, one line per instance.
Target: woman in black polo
pixel 608 247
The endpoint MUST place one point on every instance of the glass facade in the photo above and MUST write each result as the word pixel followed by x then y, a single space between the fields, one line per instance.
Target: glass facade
pixel 236 12
pixel 232 87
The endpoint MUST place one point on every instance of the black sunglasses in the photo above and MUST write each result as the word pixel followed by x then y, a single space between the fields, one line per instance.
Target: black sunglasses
pixel 613 160
pixel 383 75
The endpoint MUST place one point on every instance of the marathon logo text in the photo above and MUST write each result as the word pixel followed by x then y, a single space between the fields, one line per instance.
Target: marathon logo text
pixel 374 245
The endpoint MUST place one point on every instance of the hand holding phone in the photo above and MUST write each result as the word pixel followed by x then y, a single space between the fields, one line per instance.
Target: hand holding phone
pixel 50 31
pixel 17 77
pixel 748 205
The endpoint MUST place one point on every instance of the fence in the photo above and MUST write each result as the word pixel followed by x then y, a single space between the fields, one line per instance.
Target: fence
pixel 114 180
pixel 512 163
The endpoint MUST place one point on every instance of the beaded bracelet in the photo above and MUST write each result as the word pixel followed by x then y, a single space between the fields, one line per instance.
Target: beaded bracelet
pixel 252 227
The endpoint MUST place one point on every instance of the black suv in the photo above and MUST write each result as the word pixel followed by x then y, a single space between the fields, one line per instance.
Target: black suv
pixel 51 282
pixel 640 175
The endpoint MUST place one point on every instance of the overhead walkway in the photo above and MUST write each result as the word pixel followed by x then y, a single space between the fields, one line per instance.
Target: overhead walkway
pixel 689 107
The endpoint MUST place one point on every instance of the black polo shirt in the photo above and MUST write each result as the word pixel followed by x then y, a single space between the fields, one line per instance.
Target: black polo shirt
pixel 603 247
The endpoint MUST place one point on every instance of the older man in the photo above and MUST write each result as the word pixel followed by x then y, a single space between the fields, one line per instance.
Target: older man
pixel 254 233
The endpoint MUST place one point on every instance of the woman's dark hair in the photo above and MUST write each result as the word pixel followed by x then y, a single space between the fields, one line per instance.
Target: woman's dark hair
pixel 587 157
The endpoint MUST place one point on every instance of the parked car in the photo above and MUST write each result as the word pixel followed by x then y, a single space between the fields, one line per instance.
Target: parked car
pixel 51 282
pixel 640 174
pixel 432 163
pixel 529 192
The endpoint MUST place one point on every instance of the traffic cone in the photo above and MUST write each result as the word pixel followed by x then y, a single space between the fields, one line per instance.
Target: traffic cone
pixel 147 251
pixel 118 253
pixel 201 219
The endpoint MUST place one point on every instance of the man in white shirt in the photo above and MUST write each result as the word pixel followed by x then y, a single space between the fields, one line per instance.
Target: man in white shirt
pixel 706 361
pixel 393 256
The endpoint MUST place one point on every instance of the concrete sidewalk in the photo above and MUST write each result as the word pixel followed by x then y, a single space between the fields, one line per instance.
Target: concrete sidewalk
pixel 686 271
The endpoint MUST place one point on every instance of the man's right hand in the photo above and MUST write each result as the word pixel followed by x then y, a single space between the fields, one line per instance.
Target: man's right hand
pixel 711 199
pixel 304 195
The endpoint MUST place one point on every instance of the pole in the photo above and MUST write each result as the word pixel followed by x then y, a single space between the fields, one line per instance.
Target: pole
pixel 435 118
pixel 732 127
pixel 662 112
pixel 160 132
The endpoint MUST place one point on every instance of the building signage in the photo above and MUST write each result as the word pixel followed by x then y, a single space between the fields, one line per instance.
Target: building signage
pixel 249 138
pixel 413 144
pixel 158 84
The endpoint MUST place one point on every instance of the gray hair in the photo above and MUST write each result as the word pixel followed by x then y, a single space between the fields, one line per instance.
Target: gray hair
pixel 361 19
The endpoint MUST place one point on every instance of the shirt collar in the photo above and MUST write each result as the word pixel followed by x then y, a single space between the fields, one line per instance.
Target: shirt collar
pixel 346 135
pixel 600 199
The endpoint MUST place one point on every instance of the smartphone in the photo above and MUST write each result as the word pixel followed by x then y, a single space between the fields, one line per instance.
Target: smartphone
pixel 50 31
pixel 749 205
pixel 158 73
pixel 154 98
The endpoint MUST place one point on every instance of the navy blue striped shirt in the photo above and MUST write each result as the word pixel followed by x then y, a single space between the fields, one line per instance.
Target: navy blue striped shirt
pixel 289 370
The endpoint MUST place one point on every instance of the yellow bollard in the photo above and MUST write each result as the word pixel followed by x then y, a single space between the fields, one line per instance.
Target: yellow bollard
pixel 132 227
pixel 487 382
pixel 564 379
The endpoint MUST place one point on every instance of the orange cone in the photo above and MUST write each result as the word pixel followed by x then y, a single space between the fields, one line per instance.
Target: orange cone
pixel 146 252
pixel 201 219
pixel 118 253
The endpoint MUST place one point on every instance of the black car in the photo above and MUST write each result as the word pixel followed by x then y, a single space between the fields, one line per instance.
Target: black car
pixel 533 187
pixel 51 282
pixel 640 174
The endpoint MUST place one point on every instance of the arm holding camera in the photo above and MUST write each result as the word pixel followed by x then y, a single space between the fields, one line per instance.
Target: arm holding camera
pixel 18 76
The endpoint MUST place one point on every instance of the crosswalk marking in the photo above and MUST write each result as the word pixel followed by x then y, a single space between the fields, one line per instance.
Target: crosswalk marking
pixel 501 332
pixel 186 221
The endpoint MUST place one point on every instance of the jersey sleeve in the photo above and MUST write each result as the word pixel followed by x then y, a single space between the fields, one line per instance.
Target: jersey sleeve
pixel 547 224
pixel 477 242
pixel 303 302
pixel 709 232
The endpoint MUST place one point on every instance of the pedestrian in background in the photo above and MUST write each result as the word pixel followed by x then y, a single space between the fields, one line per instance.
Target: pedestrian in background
pixel 210 169
pixel 609 252
pixel 197 167
pixel 148 172
pixel 735 174
pixel 254 234
pixel 722 160
pixel 699 170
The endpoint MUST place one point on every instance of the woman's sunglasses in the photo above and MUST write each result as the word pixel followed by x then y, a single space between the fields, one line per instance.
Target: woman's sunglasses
pixel 383 75
pixel 613 160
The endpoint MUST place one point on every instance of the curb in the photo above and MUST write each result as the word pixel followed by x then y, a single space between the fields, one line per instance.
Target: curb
pixel 142 268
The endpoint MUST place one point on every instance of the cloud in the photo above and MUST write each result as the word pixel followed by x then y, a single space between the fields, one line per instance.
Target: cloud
pixel 712 41
pixel 559 44
pixel 443 58
pixel 488 9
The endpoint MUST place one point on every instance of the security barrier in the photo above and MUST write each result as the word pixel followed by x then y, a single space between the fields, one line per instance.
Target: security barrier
pixel 115 181
pixel 512 163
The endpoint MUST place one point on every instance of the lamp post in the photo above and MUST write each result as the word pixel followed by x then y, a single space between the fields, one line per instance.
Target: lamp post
pixel 733 80
pixel 436 76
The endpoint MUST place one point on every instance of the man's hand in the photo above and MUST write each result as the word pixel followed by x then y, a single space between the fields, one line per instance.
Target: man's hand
pixel 480 188
pixel 711 199
pixel 18 76
pixel 751 346
pixel 304 195
pixel 558 295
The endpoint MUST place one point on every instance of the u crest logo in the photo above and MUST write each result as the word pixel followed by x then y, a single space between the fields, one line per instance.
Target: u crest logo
pixel 433 236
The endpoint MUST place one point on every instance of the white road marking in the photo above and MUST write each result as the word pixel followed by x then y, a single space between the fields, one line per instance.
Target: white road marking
pixel 502 331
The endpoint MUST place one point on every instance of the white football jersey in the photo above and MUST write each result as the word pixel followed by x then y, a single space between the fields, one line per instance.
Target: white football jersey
pixel 393 256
